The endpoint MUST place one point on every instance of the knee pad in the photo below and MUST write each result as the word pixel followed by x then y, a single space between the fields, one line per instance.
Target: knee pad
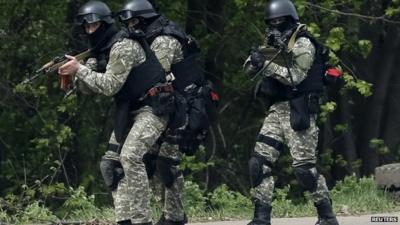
pixel 257 174
pixel 167 174
pixel 307 175
pixel 111 170
pixel 150 162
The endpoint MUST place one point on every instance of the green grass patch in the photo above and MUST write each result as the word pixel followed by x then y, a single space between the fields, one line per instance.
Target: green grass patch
pixel 352 196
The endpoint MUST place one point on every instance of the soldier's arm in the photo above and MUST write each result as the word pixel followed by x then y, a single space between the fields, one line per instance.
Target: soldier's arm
pixel 91 63
pixel 302 57
pixel 168 51
pixel 123 56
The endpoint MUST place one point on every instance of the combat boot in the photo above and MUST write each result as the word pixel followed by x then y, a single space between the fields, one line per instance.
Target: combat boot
pixel 164 221
pixel 325 213
pixel 262 214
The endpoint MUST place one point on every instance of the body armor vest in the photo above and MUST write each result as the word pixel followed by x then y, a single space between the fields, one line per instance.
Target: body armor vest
pixel 143 76
pixel 277 91
pixel 187 71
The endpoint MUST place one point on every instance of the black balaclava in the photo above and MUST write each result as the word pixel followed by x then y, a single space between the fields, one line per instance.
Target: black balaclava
pixel 99 38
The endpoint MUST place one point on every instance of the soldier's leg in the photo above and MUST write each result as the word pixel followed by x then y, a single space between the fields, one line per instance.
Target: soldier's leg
pixel 267 150
pixel 172 178
pixel 131 198
pixel 303 145
pixel 150 161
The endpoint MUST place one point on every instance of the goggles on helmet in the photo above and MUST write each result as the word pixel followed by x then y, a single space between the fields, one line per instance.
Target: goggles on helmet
pixel 125 15
pixel 88 18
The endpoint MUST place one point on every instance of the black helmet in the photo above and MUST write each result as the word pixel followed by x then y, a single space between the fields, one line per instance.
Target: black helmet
pixel 137 8
pixel 94 11
pixel 280 8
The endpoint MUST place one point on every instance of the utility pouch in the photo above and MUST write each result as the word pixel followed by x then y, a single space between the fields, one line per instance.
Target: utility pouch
pixel 162 103
pixel 313 103
pixel 179 118
pixel 299 113
pixel 111 169
pixel 149 161
pixel 190 141
pixel 198 117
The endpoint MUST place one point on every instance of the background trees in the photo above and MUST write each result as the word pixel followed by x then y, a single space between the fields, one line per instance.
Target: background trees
pixel 48 138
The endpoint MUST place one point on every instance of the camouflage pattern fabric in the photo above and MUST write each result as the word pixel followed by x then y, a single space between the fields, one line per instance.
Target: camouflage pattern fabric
pixel 302 144
pixel 300 59
pixel 168 50
pixel 124 55
pixel 131 198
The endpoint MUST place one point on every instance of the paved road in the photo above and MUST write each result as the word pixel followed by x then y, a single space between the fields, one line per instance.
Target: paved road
pixel 343 220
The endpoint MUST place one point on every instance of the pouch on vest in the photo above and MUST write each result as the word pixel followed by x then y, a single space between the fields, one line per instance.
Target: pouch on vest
pixel 179 118
pixel 271 89
pixel 299 113
pixel 162 103
pixel 198 117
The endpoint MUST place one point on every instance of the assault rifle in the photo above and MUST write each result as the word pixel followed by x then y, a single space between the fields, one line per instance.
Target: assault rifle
pixel 53 65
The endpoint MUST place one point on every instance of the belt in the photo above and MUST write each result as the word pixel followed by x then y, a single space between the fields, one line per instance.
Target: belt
pixel 160 89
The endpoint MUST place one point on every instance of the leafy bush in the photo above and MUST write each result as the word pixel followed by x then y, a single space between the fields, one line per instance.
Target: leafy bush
pixel 360 195
pixel 228 201
pixel 194 198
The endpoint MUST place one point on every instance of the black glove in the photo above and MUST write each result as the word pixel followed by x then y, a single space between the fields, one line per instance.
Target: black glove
pixel 257 58
pixel 275 39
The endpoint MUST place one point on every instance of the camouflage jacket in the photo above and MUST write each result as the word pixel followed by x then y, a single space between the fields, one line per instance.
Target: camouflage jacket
pixel 300 59
pixel 124 55
pixel 168 51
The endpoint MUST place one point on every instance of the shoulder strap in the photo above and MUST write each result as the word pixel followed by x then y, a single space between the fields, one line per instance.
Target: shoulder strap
pixel 292 40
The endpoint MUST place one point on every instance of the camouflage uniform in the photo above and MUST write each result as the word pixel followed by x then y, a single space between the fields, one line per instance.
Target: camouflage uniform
pixel 131 198
pixel 168 51
pixel 302 144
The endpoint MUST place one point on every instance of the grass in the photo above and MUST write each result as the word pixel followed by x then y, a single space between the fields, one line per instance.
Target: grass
pixel 352 196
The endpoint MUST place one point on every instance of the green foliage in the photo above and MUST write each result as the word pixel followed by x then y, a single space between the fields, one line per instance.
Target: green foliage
pixel 363 87
pixel 326 109
pixel 360 195
pixel 365 47
pixel 195 200
pixel 81 206
pixel 229 202
pixel 335 39
pixel 379 145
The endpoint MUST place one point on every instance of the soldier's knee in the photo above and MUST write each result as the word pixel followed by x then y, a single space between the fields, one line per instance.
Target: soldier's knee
pixel 307 175
pixel 167 169
pixel 259 168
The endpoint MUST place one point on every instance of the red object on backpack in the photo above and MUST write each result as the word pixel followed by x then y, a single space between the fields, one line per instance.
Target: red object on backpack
pixel 334 72
pixel 214 96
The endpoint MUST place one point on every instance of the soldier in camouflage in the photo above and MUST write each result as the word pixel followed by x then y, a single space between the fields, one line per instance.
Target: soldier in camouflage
pixel 293 85
pixel 141 14
pixel 119 62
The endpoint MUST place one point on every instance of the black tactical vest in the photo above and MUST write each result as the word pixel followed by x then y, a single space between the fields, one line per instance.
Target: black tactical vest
pixel 187 71
pixel 143 76
pixel 314 80
pixel 313 83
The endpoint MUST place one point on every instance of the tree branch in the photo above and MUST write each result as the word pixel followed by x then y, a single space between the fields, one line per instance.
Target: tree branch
pixel 372 18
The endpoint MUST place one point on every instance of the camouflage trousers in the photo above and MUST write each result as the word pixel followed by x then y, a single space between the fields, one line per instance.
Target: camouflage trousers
pixel 132 196
pixel 170 199
pixel 302 145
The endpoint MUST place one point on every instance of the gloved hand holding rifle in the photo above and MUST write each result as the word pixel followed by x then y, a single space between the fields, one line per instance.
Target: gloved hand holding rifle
pixel 55 64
